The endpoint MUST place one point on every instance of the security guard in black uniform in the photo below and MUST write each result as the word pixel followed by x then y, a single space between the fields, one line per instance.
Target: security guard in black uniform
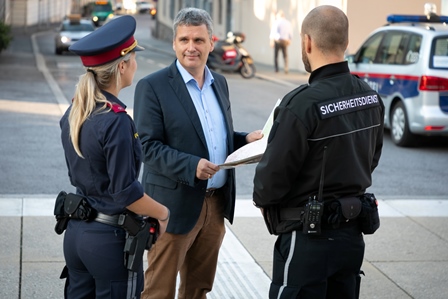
pixel 103 155
pixel 310 184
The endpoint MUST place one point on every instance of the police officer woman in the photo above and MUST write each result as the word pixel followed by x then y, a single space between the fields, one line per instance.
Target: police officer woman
pixel 102 151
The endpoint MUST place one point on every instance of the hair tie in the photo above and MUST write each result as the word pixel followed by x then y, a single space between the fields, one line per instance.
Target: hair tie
pixel 92 71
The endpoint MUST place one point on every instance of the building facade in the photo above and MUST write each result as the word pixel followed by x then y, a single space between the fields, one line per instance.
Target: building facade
pixel 255 17
pixel 252 17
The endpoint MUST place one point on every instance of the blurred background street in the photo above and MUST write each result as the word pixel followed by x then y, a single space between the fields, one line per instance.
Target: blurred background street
pixel 406 258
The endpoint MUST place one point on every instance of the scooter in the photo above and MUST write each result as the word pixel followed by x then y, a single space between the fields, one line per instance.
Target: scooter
pixel 229 56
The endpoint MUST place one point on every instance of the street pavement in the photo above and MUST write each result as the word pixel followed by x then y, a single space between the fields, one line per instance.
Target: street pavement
pixel 406 258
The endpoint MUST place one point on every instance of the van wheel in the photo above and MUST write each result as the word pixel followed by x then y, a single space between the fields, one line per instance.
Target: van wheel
pixel 400 133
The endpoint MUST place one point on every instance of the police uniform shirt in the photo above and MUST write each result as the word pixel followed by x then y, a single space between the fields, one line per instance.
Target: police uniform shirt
pixel 336 110
pixel 108 174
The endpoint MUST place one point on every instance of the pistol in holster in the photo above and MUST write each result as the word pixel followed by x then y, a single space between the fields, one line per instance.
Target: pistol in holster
pixel 140 235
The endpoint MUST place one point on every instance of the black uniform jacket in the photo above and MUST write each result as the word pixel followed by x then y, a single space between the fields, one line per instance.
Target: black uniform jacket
pixel 173 143
pixel 337 110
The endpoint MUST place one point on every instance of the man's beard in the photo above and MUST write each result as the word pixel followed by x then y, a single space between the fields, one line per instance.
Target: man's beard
pixel 305 59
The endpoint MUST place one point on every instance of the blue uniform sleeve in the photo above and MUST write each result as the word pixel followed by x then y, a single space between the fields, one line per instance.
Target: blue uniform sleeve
pixel 122 151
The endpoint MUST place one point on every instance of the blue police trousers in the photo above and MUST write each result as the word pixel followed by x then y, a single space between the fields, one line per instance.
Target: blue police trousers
pixel 95 260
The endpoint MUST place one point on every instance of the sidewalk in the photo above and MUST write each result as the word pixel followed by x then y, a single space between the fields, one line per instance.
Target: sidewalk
pixel 406 258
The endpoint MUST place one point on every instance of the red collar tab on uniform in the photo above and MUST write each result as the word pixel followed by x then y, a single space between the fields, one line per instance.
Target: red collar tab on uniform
pixel 105 57
pixel 116 107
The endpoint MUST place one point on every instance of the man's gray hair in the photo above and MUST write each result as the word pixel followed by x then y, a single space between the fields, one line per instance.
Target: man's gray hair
pixel 191 16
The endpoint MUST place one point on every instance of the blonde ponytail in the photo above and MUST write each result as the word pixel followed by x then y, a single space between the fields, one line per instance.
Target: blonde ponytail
pixel 88 95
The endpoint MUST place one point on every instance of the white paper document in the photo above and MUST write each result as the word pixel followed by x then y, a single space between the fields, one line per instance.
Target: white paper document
pixel 251 152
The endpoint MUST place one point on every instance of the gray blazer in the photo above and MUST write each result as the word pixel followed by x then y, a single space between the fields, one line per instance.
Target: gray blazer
pixel 173 142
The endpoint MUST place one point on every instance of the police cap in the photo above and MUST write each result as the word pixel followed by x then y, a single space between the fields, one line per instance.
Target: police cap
pixel 111 41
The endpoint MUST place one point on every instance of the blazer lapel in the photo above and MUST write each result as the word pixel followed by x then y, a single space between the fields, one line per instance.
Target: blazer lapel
pixel 180 90
pixel 224 104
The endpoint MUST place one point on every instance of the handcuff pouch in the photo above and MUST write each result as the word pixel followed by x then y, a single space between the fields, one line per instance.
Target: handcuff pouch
pixel 77 207
pixel 350 207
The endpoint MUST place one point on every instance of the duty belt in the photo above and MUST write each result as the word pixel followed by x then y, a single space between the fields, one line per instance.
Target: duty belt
pixel 107 219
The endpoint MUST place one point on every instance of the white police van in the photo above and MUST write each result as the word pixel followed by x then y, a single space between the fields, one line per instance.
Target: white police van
pixel 406 62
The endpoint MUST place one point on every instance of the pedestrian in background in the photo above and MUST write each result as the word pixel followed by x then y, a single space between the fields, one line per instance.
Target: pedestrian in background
pixel 320 247
pixel 103 155
pixel 183 116
pixel 280 38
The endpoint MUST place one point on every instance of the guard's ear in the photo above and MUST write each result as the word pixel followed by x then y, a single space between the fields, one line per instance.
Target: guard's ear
pixel 307 43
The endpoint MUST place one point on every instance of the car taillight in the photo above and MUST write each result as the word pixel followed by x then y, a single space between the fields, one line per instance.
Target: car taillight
pixel 434 128
pixel 430 83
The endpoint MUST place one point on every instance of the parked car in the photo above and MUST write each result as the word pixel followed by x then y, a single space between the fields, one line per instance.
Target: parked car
pixel 71 30
pixel 143 6
pixel 406 62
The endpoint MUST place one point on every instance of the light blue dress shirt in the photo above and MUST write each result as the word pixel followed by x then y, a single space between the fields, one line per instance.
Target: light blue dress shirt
pixel 212 121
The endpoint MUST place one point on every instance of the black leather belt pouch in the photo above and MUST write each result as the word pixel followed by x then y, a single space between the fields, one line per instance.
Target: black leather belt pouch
pixel 59 213
pixel 350 207
pixel 369 217
pixel 77 207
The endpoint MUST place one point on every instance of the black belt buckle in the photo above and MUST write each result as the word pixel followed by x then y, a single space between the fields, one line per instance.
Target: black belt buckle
pixel 210 192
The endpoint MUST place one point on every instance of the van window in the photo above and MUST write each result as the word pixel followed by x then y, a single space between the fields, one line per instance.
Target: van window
pixel 440 53
pixel 392 48
pixel 370 48
pixel 413 53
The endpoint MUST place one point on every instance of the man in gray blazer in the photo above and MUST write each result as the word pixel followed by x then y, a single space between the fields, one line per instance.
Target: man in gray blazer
pixel 184 120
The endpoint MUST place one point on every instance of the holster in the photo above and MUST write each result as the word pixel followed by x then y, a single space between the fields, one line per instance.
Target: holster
pixel 140 235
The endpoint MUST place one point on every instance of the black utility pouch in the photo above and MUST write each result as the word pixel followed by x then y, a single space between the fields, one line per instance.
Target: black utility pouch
pixel 369 218
pixel 77 207
pixel 350 207
pixel 59 213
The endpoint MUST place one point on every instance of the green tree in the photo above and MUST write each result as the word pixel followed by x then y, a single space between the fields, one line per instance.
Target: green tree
pixel 5 36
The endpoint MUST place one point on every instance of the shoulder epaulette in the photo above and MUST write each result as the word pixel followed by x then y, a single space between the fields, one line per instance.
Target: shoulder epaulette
pixel 287 98
pixel 116 107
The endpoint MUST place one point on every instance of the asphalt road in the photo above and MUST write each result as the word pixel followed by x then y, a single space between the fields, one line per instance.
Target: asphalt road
pixel 32 158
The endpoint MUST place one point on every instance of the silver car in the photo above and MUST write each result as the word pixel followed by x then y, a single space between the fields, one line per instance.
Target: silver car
pixel 406 62
pixel 71 30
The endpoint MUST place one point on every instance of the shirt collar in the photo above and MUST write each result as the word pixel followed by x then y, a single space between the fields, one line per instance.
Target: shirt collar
pixel 113 99
pixel 187 77
pixel 329 70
